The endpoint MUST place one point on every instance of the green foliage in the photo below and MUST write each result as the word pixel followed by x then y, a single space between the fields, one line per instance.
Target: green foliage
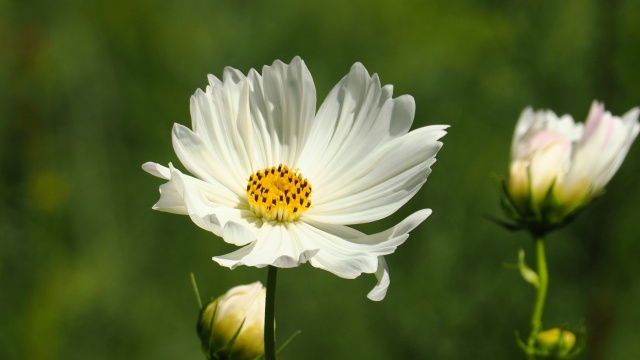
pixel 91 90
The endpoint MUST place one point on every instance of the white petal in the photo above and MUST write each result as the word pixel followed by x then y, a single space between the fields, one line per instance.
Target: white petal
pixel 283 104
pixel 214 193
pixel 206 207
pixel 403 227
pixel 171 193
pixel 216 105
pixel 348 253
pixel 217 131
pixel 237 233
pixel 277 244
pixel 250 128
pixel 216 115
pixel 527 118
pixel 382 274
pixel 606 141
pixel 378 184
pixel 171 199
pixel 338 255
pixel 339 249
pixel 357 116
pixel 234 259
pixel 195 205
pixel 199 160
pixel 157 170
pixel 531 124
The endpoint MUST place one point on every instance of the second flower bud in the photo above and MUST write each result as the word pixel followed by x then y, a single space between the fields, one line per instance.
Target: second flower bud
pixel 231 327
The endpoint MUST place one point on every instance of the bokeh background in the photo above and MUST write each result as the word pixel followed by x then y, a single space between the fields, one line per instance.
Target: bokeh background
pixel 90 90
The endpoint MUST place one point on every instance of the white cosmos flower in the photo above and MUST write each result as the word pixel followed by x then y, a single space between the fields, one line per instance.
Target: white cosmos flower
pixel 282 181
pixel 558 165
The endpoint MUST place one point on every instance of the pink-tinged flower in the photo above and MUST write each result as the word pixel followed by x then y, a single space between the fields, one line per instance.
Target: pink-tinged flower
pixel 558 166
pixel 281 180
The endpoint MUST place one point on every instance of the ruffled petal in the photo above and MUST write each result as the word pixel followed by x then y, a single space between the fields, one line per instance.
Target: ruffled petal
pixel 283 104
pixel 199 160
pixel 338 255
pixel 157 170
pixel 217 105
pixel 338 249
pixel 348 253
pixel 196 206
pixel 235 225
pixel 380 183
pixel 277 244
pixel 237 233
pixel 357 116
pixel 382 274
pixel 207 208
pixel 215 115
pixel 606 142
pixel 171 193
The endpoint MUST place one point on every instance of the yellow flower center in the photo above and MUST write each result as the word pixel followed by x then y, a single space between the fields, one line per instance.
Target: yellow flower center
pixel 279 194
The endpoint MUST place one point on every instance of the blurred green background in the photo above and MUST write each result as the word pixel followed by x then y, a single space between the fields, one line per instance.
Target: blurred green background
pixel 91 90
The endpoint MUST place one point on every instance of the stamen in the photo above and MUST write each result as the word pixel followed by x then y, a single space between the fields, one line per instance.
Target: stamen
pixel 278 194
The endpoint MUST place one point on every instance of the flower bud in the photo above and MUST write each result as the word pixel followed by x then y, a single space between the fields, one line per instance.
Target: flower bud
pixel 556 343
pixel 232 326
pixel 558 166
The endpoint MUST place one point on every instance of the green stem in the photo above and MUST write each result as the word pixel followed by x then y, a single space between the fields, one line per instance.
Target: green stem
pixel 269 315
pixel 541 294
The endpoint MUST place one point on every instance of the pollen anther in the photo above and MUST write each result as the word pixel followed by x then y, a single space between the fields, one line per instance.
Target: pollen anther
pixel 270 190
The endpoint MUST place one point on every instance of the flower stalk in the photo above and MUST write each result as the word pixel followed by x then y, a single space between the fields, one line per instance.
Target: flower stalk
pixel 269 315
pixel 541 294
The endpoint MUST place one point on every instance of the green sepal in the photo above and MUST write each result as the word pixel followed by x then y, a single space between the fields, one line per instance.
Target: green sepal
pixel 195 290
pixel 527 350
pixel 536 218
pixel 553 353
pixel 284 345
pixel 225 352
pixel 508 207
pixel 206 332
pixel 505 224
pixel 581 342
pixel 506 203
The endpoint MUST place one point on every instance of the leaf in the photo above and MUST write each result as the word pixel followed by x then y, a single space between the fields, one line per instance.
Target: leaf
pixel 527 273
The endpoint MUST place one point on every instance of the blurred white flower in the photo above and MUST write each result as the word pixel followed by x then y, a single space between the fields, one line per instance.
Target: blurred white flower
pixel 558 166
pixel 279 179
pixel 232 326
